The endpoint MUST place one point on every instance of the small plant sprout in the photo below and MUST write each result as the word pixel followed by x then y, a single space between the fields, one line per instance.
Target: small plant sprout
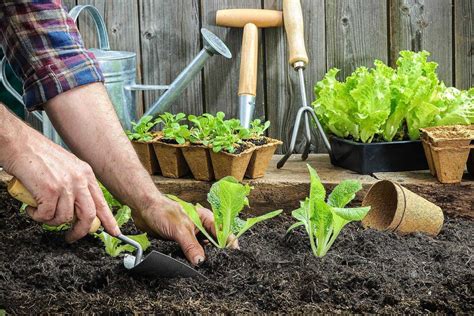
pixel 227 198
pixel 141 131
pixel 172 128
pixel 258 128
pixel 228 134
pixel 203 128
pixel 324 220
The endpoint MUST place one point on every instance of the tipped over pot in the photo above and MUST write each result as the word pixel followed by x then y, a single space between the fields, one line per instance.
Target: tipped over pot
pixel 447 150
pixel 232 164
pixel 395 208
pixel 265 147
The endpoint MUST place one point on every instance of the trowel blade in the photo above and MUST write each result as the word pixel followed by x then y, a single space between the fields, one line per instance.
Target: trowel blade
pixel 157 264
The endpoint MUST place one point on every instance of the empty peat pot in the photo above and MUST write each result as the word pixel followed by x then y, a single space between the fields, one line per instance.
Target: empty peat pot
pixel 394 208
pixel 199 161
pixel 146 154
pixel 261 158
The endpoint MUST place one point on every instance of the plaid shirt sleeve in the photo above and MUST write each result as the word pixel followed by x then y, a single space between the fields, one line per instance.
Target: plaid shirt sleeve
pixel 45 49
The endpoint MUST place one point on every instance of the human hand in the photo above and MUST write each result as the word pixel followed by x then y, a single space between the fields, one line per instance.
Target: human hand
pixel 63 186
pixel 166 219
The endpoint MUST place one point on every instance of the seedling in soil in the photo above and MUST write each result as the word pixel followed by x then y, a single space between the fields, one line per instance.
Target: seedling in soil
pixel 258 128
pixel 172 128
pixel 141 131
pixel 324 220
pixel 229 134
pixel 203 128
pixel 227 198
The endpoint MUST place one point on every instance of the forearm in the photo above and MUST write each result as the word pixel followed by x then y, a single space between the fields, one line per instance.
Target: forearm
pixel 86 120
pixel 12 134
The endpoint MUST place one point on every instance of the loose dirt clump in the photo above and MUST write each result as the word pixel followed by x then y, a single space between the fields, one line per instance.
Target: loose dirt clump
pixel 366 271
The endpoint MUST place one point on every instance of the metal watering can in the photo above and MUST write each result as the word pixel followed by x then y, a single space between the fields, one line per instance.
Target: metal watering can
pixel 119 69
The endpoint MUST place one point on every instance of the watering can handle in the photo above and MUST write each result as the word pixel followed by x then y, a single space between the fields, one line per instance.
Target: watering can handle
pixel 98 21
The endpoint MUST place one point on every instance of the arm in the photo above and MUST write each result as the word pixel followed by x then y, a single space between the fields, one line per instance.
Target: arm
pixel 59 181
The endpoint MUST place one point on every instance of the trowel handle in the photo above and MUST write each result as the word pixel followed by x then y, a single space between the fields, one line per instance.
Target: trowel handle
pixel 19 192
pixel 248 61
pixel 294 27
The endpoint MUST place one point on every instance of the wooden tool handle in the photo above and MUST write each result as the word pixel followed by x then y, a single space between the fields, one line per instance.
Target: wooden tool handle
pixel 248 61
pixel 293 17
pixel 19 192
pixel 241 17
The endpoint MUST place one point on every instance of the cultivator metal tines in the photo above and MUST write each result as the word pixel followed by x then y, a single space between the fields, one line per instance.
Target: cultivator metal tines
pixel 293 18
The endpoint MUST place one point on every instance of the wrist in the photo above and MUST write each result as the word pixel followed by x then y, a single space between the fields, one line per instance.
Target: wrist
pixel 147 202
pixel 12 137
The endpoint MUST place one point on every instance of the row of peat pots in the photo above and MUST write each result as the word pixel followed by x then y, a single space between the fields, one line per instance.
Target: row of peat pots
pixel 172 160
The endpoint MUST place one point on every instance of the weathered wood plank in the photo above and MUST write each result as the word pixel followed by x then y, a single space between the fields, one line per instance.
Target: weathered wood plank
pixel 423 25
pixel 282 86
pixel 170 39
pixel 69 4
pixel 356 34
pixel 121 18
pixel 221 76
pixel 464 43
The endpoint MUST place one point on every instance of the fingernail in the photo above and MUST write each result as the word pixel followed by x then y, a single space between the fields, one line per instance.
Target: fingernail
pixel 198 260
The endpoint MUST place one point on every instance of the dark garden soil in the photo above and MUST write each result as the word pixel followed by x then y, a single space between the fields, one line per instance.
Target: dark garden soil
pixel 365 271
pixel 258 141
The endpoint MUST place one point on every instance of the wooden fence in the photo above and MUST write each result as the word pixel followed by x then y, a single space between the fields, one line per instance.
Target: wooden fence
pixel 339 33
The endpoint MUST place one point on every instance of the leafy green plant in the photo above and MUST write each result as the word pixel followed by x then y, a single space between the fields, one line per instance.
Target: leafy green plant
pixel 172 128
pixel 203 128
pixel 385 104
pixel 228 135
pixel 141 131
pixel 258 128
pixel 227 198
pixel 324 220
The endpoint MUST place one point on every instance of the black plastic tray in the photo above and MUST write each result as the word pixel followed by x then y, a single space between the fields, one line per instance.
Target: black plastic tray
pixel 378 157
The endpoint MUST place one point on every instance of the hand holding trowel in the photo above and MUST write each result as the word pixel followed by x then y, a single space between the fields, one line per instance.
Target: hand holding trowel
pixel 155 264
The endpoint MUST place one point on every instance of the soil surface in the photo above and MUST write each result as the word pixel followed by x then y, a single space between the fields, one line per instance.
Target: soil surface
pixel 366 271
pixel 258 141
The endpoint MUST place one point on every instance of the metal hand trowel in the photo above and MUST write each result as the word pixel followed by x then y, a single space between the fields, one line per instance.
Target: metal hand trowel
pixel 155 264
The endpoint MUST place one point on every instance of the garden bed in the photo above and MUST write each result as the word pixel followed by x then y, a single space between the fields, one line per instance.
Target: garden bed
pixel 365 271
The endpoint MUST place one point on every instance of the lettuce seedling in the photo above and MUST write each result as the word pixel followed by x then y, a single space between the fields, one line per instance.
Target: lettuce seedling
pixel 203 128
pixel 228 134
pixel 141 131
pixel 227 198
pixel 324 220
pixel 172 128
pixel 257 128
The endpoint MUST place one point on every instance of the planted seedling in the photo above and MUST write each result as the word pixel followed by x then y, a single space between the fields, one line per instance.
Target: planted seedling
pixel 227 197
pixel 229 135
pixel 324 220
pixel 141 131
pixel 256 132
pixel 203 128
pixel 172 129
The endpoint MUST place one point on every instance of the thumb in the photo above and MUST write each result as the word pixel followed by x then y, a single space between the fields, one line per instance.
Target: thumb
pixel 191 247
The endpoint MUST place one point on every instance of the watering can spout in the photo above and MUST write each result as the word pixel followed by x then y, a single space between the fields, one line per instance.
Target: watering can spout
pixel 212 46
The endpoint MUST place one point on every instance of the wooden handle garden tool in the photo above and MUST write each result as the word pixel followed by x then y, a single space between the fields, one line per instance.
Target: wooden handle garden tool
pixel 19 192
pixel 298 59
pixel 250 20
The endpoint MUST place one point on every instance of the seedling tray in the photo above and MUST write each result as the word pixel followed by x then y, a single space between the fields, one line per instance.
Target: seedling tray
pixel 378 157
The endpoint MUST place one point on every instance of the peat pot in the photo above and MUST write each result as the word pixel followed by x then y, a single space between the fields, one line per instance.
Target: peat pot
pixel 146 154
pixel 199 161
pixel 171 159
pixel 261 157
pixel 225 164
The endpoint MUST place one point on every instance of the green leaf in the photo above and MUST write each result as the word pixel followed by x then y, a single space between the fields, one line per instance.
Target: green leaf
pixel 192 213
pixel 322 219
pixel 254 220
pixel 111 201
pixel 58 228
pixel 317 190
pixel 114 246
pixel 351 214
pixel 123 215
pixel 343 193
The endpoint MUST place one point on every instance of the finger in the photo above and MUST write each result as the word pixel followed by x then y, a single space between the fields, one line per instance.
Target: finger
pixel 64 209
pixel 191 247
pixel 45 210
pixel 103 211
pixel 85 213
pixel 207 220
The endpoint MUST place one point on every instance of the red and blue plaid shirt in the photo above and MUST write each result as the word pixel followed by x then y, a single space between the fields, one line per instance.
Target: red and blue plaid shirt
pixel 45 49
